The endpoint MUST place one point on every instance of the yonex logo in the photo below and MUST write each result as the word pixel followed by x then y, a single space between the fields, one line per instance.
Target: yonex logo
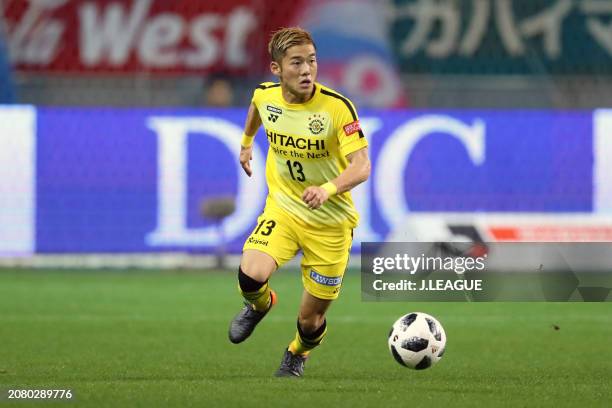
pixel 274 109
pixel 276 112
pixel 325 280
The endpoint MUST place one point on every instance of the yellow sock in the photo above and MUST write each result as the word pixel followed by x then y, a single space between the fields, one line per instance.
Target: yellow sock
pixel 303 344
pixel 260 299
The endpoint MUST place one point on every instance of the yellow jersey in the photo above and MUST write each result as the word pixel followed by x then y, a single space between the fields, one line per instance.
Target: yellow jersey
pixel 309 143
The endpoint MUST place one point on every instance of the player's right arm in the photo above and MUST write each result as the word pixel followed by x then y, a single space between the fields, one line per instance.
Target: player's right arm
pixel 252 124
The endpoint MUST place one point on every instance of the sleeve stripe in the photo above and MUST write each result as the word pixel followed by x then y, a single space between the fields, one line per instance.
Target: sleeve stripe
pixel 262 86
pixel 346 102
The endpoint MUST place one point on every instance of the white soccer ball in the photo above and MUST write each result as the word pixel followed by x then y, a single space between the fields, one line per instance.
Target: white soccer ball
pixel 417 340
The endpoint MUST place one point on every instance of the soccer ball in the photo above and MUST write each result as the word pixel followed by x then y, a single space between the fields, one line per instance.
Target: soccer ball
pixel 417 340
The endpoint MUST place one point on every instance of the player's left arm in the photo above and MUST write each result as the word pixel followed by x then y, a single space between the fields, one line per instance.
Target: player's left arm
pixel 356 173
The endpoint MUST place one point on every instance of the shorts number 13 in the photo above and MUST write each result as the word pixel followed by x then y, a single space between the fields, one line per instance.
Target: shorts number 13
pixel 269 225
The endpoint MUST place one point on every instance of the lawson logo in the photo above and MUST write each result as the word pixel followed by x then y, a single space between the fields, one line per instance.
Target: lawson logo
pixel 325 280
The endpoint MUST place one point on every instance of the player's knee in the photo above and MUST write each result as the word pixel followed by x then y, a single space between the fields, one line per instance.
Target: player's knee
pixel 253 272
pixel 257 267
pixel 248 283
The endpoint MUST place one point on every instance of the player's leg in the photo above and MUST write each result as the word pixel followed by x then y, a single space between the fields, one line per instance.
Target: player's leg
pixel 311 329
pixel 254 272
pixel 271 244
pixel 311 324
pixel 253 275
pixel 323 266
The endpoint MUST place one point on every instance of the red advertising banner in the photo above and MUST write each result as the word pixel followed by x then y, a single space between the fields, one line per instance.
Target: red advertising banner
pixel 158 36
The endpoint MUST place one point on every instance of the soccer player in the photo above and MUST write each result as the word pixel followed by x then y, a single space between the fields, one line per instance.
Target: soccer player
pixel 317 154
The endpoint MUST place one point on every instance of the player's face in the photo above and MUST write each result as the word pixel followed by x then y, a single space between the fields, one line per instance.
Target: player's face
pixel 298 72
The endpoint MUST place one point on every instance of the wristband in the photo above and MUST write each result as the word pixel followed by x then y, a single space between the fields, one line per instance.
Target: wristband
pixel 247 140
pixel 330 188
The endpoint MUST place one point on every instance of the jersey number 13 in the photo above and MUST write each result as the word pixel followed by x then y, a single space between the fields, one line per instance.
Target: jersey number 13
pixel 299 170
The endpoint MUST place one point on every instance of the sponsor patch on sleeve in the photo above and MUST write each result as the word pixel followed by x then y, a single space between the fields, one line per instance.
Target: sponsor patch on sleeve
pixel 352 127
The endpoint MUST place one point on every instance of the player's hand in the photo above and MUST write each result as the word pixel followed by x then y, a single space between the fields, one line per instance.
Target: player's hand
pixel 314 197
pixel 246 155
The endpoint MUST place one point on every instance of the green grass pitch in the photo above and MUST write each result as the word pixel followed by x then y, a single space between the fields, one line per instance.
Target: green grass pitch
pixel 149 338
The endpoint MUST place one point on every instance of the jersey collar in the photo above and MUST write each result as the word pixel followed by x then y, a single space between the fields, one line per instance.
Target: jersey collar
pixel 315 96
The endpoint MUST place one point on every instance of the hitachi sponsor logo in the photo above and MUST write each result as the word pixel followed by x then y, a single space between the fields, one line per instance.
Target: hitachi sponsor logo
pixel 325 280
pixel 295 142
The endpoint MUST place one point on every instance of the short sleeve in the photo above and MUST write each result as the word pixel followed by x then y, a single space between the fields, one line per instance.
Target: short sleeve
pixel 350 134
pixel 257 94
pixel 256 97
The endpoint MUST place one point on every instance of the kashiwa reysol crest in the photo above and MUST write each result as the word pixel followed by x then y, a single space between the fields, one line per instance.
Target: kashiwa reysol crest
pixel 315 124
